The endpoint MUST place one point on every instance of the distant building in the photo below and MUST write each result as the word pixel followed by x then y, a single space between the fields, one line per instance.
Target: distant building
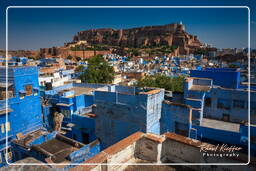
pixel 55 78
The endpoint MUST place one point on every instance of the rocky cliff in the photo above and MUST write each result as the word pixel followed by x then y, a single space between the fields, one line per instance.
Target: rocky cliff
pixel 170 34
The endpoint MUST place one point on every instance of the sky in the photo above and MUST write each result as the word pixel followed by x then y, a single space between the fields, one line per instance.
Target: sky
pixel 34 28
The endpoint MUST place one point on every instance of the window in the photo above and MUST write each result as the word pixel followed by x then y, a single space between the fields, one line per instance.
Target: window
pixel 85 138
pixel 28 89
pixel 9 154
pixel 253 107
pixel 225 117
pixel 239 104
pixel 3 92
pixel 22 95
pixel 1 160
pixel 66 113
pixel 253 139
pixel 74 136
pixel 2 128
pixel 8 126
pixel 223 104
pixel 181 129
pixel 35 92
pixel 208 102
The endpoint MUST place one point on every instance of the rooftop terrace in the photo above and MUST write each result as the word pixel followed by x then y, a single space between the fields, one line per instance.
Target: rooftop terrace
pixel 55 147
pixel 140 148
pixel 222 125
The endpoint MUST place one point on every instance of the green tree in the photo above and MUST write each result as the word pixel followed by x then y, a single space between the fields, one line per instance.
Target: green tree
pixel 98 71
pixel 200 52
pixel 79 68
pixel 69 57
pixel 175 84
pixel 31 57
pixel 78 58
pixel 233 66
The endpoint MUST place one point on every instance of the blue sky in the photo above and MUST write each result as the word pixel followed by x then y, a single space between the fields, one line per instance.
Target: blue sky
pixel 35 28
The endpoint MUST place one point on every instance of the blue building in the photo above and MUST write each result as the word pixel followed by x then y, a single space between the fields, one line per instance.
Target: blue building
pixel 24 112
pixel 213 109
pixel 75 101
pixel 89 110
pixel 121 111
pixel 225 99
pixel 224 77
pixel 27 119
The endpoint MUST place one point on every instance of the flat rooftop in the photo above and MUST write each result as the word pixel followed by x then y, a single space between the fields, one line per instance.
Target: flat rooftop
pixel 140 148
pixel 59 149
pixel 55 146
pixel 83 90
pixel 24 140
pixel 199 88
pixel 222 125
pixel 19 165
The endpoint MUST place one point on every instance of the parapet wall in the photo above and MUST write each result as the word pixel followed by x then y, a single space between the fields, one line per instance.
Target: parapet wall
pixel 166 149
pixel 221 77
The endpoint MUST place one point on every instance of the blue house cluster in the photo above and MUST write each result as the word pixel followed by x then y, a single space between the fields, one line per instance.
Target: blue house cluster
pixel 23 123
pixel 213 108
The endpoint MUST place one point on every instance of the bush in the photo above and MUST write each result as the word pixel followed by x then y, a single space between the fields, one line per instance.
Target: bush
pixel 98 71
pixel 175 84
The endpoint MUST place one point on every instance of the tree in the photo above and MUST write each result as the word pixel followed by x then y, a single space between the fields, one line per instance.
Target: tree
pixel 175 84
pixel 31 57
pixel 233 66
pixel 200 52
pixel 79 68
pixel 69 57
pixel 98 71
pixel 78 58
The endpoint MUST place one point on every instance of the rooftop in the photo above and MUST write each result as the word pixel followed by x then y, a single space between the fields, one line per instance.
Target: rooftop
pixel 200 88
pixel 83 90
pixel 141 148
pixel 25 140
pixel 222 125
pixel 54 146
pixel 19 165
pixel 59 148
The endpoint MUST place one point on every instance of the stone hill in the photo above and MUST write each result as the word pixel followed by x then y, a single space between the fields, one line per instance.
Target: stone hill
pixel 148 36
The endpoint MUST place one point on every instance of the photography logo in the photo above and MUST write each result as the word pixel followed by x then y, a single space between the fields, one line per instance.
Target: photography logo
pixel 220 150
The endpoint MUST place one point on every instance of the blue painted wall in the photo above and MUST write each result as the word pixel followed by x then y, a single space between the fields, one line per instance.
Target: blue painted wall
pixel 121 113
pixel 26 115
pixel 224 77
pixel 174 117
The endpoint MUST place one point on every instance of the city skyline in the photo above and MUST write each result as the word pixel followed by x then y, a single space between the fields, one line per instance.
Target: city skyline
pixel 222 28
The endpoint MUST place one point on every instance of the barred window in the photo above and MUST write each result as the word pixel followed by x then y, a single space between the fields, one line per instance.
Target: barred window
pixel 239 104
pixel 28 89
pixel 223 104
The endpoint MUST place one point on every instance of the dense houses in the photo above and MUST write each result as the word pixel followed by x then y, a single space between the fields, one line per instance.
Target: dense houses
pixel 51 117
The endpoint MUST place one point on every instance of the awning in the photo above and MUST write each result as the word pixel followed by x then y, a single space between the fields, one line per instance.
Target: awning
pixel 22 91
pixel 64 104
pixel 3 84
pixel 36 88
pixel 3 111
